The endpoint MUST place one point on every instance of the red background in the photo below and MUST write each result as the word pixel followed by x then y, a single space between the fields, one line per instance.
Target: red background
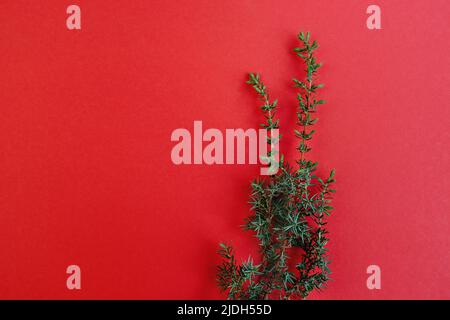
pixel 86 116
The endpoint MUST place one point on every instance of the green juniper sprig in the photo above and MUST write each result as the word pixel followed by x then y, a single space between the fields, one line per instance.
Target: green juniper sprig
pixel 288 209
pixel 268 109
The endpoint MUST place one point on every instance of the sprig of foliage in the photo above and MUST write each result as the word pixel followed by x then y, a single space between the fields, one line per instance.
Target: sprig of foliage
pixel 288 210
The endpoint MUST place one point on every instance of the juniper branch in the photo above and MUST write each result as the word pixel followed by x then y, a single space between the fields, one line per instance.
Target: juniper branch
pixel 288 210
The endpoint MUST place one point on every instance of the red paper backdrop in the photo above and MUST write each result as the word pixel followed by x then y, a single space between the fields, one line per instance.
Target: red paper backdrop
pixel 86 116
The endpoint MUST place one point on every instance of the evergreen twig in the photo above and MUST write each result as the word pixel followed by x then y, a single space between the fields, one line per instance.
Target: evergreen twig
pixel 288 209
